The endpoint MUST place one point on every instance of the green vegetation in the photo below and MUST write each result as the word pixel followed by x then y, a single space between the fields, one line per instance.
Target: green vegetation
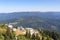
pixel 7 34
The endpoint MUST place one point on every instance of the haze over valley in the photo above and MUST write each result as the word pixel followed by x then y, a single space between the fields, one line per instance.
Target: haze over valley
pixel 43 20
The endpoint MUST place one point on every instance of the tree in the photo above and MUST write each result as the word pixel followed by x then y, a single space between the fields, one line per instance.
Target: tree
pixel 1 37
pixel 28 34
pixel 33 36
pixel 37 36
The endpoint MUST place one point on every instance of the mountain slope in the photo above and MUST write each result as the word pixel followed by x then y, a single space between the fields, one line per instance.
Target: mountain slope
pixel 6 33
pixel 37 22
pixel 43 20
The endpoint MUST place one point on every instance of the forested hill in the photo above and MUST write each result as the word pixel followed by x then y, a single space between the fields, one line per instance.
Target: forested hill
pixel 43 20
pixel 6 33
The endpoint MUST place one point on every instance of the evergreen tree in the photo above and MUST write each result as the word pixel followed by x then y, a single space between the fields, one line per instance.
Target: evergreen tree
pixel 37 37
pixel 33 37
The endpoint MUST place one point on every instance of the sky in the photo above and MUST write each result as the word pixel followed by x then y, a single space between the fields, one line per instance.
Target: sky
pixel 29 5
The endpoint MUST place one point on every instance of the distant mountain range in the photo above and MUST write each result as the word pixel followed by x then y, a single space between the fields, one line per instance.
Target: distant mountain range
pixel 42 20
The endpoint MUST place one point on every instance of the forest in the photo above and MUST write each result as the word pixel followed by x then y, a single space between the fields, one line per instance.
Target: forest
pixel 7 34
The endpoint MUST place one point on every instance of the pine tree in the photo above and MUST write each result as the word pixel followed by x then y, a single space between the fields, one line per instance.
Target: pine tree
pixel 33 37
